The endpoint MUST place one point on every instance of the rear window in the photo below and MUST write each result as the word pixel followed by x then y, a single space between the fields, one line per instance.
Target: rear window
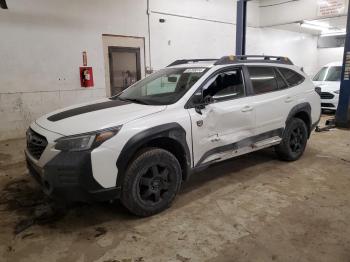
pixel 292 77
pixel 263 79
pixel 280 81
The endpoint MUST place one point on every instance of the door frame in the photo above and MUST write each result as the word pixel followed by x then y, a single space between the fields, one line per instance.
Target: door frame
pixel 112 49
pixel 127 41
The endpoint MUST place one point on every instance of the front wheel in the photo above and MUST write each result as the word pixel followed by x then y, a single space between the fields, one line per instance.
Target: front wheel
pixel 294 140
pixel 151 182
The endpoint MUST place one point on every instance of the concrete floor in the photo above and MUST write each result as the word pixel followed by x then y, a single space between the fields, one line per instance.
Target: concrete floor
pixel 253 208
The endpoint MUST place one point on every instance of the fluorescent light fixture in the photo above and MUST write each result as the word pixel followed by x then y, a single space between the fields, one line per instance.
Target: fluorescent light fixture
pixel 322 24
pixel 310 26
pixel 323 27
pixel 334 33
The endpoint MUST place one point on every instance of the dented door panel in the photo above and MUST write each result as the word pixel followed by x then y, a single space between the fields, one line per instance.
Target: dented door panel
pixel 222 124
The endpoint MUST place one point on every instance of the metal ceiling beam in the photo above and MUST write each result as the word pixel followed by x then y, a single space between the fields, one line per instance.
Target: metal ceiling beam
pixel 241 27
pixel 342 118
pixel 3 4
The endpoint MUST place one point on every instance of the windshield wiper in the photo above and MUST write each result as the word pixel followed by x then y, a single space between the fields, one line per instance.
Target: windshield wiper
pixel 135 100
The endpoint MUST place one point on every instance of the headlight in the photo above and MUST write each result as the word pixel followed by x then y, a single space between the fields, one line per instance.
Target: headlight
pixel 86 141
pixel 337 92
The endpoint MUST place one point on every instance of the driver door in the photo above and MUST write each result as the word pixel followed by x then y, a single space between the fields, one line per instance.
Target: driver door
pixel 227 118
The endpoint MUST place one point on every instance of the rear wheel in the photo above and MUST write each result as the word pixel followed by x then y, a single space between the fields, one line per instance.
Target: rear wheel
pixel 151 182
pixel 294 140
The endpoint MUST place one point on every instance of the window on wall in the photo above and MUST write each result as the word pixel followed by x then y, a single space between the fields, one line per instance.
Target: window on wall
pixel 225 86
pixel 292 77
pixel 263 79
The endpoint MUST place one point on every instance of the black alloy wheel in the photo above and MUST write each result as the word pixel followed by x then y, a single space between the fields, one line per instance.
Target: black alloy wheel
pixel 296 140
pixel 154 184
pixel 151 182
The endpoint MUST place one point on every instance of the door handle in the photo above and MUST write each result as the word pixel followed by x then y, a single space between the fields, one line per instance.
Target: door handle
pixel 247 109
pixel 288 99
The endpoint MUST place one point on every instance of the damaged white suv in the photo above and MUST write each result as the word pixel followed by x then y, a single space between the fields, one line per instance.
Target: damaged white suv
pixel 140 145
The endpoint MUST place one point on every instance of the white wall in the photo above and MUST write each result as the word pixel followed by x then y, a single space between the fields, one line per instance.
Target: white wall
pixel 300 48
pixel 40 53
pixel 196 29
pixel 288 12
pixel 42 41
pixel 329 55
pixel 215 10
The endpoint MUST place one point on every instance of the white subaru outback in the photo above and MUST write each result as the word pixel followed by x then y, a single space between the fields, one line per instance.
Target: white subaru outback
pixel 140 145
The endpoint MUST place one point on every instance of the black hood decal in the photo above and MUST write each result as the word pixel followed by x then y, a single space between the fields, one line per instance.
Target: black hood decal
pixel 86 109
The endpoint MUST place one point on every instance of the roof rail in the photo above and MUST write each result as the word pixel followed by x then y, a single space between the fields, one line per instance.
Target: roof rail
pixel 253 59
pixel 187 61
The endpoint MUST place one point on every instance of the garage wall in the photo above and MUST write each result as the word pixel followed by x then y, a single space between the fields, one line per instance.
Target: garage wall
pixel 329 55
pixel 40 54
pixel 274 13
pixel 300 48
pixel 42 41
pixel 196 29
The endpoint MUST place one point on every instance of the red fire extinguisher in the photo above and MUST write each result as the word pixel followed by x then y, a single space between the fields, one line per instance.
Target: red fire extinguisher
pixel 86 77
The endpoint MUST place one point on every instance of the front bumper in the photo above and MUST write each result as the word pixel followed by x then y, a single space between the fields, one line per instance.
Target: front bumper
pixel 68 177
pixel 330 104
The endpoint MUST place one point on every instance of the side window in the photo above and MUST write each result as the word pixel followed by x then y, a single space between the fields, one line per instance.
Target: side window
pixel 263 79
pixel 225 86
pixel 293 78
pixel 280 81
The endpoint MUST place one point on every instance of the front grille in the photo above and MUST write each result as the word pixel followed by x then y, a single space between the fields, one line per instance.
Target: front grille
pixel 327 105
pixel 36 143
pixel 326 95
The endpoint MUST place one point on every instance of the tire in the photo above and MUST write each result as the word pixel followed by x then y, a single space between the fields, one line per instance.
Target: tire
pixel 294 140
pixel 151 182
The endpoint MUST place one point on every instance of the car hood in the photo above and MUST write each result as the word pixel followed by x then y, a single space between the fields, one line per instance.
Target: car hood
pixel 327 86
pixel 93 116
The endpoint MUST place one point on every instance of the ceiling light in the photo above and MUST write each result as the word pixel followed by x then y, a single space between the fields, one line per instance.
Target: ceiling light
pixel 333 33
pixel 310 26
pixel 322 24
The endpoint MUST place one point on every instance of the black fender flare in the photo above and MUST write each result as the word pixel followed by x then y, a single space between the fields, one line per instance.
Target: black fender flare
pixel 301 108
pixel 173 131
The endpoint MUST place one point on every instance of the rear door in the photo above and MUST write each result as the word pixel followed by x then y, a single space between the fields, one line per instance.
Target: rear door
pixel 276 92
pixel 228 118
pixel 271 101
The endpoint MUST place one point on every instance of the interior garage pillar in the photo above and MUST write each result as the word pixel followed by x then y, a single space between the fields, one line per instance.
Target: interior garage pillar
pixel 241 27
pixel 342 118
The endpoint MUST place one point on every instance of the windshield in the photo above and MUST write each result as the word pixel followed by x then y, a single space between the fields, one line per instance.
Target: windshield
pixel 332 74
pixel 164 87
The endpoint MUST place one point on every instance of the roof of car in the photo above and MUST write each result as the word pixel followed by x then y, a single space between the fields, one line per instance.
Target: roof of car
pixel 235 59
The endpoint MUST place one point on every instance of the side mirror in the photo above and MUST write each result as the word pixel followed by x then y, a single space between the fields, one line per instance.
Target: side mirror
pixel 197 101
pixel 197 98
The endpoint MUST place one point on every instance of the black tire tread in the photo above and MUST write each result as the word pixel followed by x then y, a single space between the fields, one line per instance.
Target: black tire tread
pixel 128 195
pixel 282 150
